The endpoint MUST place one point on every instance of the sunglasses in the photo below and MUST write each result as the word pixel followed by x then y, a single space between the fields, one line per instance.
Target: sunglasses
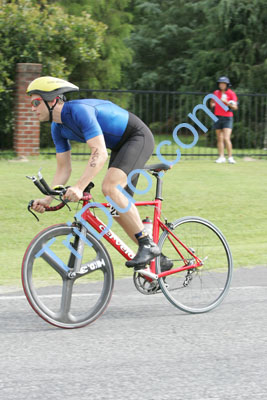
pixel 36 102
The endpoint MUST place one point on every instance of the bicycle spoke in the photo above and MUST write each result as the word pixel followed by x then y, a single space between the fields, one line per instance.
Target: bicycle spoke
pixel 55 263
pixel 202 288
pixel 65 305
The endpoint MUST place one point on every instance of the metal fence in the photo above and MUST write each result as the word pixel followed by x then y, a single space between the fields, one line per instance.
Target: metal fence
pixel 162 111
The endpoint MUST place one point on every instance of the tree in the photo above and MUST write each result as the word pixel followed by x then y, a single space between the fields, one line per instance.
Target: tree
pixel 160 38
pixel 230 41
pixel 38 32
pixel 186 45
pixel 105 72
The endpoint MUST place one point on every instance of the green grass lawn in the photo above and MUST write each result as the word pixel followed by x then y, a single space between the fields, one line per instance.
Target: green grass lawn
pixel 233 197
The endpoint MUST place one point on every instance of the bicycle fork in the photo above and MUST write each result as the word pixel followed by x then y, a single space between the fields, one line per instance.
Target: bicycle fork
pixel 75 260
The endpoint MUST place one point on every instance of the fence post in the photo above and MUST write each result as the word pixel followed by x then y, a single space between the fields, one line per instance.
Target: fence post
pixel 27 127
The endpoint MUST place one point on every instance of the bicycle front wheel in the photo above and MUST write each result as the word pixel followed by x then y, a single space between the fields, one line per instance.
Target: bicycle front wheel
pixel 58 299
pixel 199 289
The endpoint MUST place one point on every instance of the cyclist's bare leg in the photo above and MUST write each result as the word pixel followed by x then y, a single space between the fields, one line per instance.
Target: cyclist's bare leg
pixel 130 221
pixel 227 139
pixel 220 142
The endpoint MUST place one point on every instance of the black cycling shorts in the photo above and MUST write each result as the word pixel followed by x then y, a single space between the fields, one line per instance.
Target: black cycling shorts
pixel 134 149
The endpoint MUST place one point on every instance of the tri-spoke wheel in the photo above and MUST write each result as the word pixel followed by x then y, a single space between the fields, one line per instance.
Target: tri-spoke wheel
pixel 57 295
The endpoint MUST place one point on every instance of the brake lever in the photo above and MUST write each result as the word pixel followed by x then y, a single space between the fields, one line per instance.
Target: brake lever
pixel 63 200
pixel 29 209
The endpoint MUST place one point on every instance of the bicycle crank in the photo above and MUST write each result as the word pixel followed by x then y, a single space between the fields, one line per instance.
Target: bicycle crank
pixel 144 285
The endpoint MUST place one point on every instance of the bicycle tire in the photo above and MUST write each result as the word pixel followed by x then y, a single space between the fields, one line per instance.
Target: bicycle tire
pixel 202 289
pixel 59 300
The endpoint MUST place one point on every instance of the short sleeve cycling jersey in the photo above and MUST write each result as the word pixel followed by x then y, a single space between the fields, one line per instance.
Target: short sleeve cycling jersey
pixel 229 95
pixel 85 119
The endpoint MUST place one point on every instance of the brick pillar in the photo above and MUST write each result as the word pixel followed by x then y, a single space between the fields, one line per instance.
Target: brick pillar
pixel 27 127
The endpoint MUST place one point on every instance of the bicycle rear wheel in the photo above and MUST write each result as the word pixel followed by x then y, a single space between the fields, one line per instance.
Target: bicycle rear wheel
pixel 201 289
pixel 59 300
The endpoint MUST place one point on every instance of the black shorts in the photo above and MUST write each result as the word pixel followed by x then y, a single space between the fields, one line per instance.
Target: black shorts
pixel 223 122
pixel 134 149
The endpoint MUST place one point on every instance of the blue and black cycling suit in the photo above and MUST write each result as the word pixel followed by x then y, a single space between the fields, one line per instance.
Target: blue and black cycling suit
pixel 130 140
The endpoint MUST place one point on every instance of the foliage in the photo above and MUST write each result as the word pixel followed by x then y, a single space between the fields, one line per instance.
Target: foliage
pixel 159 40
pixel 105 72
pixel 186 45
pixel 38 32
pixel 154 44
pixel 231 40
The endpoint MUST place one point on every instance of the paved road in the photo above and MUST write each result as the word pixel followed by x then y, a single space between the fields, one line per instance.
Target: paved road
pixel 141 348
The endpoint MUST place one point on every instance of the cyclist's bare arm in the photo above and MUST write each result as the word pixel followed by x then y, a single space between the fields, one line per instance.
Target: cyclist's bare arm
pixel 74 193
pixel 63 172
pixel 96 162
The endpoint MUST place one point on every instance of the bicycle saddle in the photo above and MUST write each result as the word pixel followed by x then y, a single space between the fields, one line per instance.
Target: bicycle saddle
pixel 157 167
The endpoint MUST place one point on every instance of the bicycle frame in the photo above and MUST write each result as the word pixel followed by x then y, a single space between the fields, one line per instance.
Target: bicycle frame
pixel 126 252
pixel 114 240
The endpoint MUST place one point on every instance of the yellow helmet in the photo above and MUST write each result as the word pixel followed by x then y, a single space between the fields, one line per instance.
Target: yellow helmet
pixel 49 87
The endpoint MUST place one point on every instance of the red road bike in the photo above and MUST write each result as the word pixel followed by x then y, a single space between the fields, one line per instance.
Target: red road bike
pixel 68 276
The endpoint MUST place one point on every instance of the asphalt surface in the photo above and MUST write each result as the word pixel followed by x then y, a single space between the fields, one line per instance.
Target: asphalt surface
pixel 141 348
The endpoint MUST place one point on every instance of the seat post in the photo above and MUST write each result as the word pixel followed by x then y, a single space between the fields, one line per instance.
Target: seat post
pixel 158 186
pixel 156 170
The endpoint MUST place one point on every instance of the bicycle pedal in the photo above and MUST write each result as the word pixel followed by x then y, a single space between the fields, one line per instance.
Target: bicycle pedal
pixel 137 268
pixel 153 288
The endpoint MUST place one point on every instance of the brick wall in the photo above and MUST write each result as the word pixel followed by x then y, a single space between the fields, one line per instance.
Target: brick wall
pixel 27 126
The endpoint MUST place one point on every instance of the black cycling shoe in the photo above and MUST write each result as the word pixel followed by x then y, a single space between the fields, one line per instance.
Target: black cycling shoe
pixel 147 250
pixel 165 263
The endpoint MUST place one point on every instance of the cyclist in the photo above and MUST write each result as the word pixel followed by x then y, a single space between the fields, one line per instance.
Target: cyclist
pixel 224 125
pixel 101 124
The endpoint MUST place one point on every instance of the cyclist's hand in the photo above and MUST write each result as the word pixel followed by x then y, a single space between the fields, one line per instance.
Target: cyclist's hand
pixel 40 204
pixel 73 194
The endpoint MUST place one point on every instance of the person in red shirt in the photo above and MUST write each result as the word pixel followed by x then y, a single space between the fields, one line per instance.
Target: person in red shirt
pixel 224 125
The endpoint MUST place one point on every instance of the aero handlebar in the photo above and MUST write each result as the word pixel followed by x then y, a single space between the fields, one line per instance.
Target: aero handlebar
pixel 59 191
